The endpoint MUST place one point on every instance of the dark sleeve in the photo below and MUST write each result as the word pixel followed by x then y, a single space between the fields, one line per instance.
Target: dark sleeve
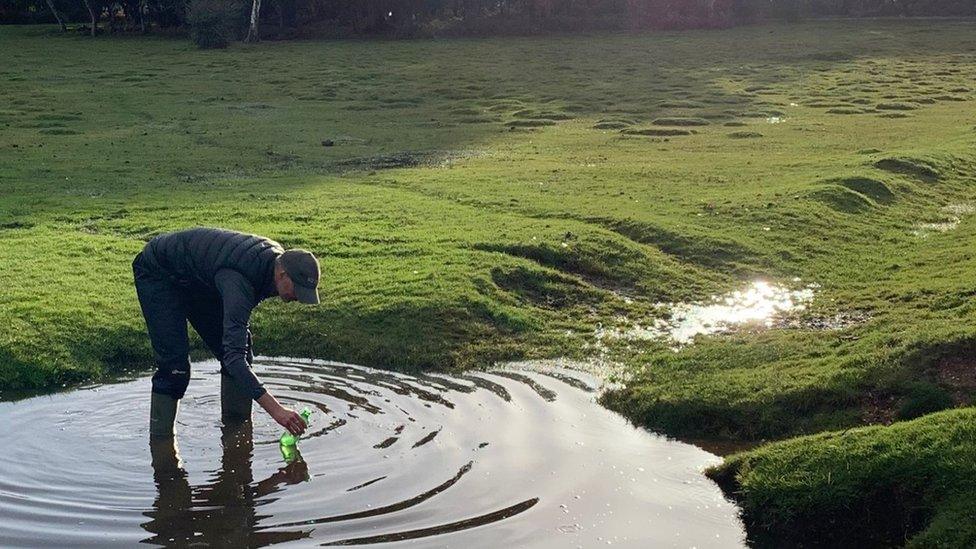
pixel 239 300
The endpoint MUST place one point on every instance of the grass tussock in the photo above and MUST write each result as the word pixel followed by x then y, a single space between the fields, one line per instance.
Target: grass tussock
pixel 907 484
pixel 680 122
pixel 658 132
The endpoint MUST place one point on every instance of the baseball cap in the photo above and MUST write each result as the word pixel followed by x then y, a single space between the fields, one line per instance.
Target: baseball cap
pixel 303 270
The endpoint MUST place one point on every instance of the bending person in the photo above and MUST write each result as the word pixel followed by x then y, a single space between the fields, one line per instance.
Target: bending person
pixel 214 278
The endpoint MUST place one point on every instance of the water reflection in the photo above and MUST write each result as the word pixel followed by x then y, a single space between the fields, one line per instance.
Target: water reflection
pixel 221 512
pixel 512 457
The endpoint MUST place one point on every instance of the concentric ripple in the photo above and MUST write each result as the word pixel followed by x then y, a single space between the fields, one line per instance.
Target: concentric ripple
pixel 509 458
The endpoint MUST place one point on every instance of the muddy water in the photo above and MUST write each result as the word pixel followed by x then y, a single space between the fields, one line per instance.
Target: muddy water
pixel 501 459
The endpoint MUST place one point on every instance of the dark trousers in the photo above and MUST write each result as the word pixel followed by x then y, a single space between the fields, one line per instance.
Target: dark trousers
pixel 167 305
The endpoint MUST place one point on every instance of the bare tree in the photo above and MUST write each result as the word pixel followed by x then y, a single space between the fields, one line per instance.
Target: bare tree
pixel 94 20
pixel 54 10
pixel 252 32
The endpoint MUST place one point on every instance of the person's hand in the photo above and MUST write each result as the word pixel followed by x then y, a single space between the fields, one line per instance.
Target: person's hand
pixel 290 420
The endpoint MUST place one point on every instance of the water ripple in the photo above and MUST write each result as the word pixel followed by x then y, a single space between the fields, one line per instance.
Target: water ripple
pixel 511 457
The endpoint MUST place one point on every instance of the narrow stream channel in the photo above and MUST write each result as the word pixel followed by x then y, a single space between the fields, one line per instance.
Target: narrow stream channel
pixel 508 458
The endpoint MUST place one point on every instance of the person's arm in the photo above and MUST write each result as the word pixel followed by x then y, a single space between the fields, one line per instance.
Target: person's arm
pixel 239 299
pixel 289 419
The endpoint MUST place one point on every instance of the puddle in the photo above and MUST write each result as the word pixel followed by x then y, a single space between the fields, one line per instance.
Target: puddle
pixel 954 214
pixel 607 373
pixel 774 119
pixel 959 209
pixel 762 304
pixel 923 229
pixel 515 458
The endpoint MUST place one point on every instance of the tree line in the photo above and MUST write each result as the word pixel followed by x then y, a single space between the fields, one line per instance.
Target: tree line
pixel 224 20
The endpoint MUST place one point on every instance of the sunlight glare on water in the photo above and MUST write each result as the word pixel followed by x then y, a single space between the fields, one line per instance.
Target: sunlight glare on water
pixel 953 216
pixel 760 304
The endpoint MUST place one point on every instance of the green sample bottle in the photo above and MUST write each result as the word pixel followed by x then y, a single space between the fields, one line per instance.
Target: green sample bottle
pixel 288 439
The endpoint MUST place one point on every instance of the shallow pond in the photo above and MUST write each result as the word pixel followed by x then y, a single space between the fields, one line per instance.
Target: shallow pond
pixel 508 458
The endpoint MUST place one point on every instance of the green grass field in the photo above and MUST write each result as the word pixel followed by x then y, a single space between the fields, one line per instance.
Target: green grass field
pixel 491 199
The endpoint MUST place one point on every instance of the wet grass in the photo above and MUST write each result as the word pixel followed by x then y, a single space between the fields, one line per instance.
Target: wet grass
pixel 474 204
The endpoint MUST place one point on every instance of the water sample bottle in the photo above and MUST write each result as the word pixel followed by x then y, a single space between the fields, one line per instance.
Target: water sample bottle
pixel 288 439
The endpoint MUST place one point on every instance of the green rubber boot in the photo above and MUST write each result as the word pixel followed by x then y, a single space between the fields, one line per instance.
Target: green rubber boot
pixel 235 404
pixel 165 456
pixel 162 415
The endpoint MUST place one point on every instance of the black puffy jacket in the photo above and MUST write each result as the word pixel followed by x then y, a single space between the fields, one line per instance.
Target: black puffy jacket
pixel 192 257
pixel 237 266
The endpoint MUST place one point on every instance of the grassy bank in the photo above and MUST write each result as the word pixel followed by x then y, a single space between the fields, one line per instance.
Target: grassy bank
pixel 479 200
pixel 908 484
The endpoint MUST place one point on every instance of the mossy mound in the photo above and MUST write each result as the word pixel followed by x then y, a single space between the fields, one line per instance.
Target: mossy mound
pixel 544 288
pixel 58 131
pixel 610 125
pixel 912 167
pixel 896 106
pixel 872 188
pixel 658 132
pixel 841 198
pixel 532 114
pixel 745 135
pixel 530 123
pixel 681 122
pixel 846 110
pixel 871 487
pixel 679 104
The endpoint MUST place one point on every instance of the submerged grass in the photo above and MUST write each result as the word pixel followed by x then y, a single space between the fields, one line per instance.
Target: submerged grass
pixel 471 204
